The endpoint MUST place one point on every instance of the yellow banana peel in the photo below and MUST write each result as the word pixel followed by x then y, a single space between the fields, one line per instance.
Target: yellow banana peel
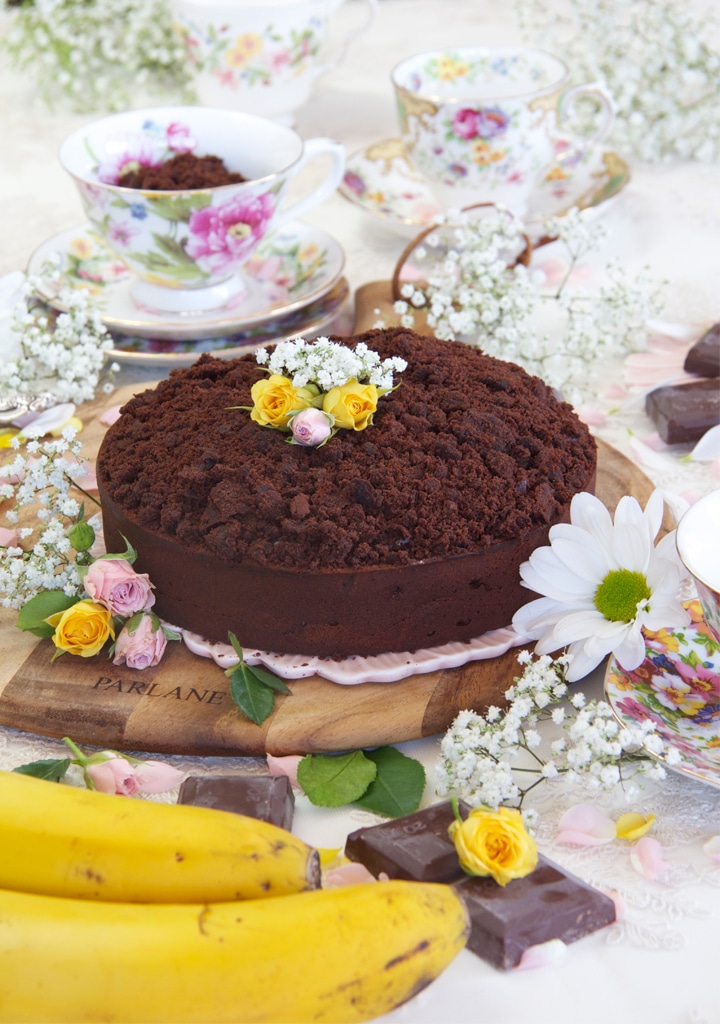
pixel 64 841
pixel 335 955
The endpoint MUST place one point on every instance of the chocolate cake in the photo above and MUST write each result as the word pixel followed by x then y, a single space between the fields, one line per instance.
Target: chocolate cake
pixel 405 535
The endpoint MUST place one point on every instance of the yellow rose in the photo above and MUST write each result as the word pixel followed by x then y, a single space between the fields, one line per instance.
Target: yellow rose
pixel 494 843
pixel 82 629
pixel 275 398
pixel 352 405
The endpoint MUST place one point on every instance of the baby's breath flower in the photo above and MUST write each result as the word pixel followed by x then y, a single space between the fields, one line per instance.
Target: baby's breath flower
pixel 473 295
pixel 65 356
pixel 97 52
pixel 480 754
pixel 46 561
pixel 655 58
pixel 328 364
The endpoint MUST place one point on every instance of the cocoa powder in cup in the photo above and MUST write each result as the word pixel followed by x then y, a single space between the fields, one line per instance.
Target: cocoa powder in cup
pixel 182 171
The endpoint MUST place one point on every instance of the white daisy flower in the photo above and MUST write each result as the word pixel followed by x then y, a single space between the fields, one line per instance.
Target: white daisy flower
pixel 602 582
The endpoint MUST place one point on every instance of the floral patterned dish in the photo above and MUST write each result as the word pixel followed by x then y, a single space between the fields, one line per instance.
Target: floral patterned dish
pixel 291 269
pixel 381 180
pixel 678 688
pixel 326 315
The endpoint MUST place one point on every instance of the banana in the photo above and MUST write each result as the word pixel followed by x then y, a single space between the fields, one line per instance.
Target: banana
pixel 64 841
pixel 335 955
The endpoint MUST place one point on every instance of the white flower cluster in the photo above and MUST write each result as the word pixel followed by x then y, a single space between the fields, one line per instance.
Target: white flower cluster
pixel 656 60
pixel 98 51
pixel 473 296
pixel 329 365
pixel 482 756
pixel 64 354
pixel 470 291
pixel 43 478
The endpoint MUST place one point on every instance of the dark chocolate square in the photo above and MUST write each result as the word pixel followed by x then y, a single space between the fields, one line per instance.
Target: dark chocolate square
pixel 704 357
pixel 267 797
pixel 549 903
pixel 682 413
pixel 416 848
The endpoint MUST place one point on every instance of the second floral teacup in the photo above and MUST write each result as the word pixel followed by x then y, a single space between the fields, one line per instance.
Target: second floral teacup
pixel 697 543
pixel 481 123
pixel 260 56
pixel 187 246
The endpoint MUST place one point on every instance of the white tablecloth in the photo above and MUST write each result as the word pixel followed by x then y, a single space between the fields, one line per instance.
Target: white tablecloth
pixel 657 966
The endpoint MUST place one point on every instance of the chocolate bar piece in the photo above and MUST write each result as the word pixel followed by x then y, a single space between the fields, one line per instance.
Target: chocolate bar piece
pixel 704 357
pixel 684 412
pixel 416 848
pixel 547 904
pixel 267 797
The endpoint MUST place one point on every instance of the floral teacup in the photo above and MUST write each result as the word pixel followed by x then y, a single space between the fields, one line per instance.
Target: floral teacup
pixel 698 543
pixel 186 247
pixel 481 123
pixel 260 56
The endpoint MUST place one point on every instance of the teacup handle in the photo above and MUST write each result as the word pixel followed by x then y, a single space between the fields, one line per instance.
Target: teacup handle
pixel 313 148
pixel 597 92
pixel 348 40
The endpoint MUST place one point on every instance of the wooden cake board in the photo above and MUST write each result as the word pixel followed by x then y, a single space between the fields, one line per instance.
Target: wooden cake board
pixel 183 705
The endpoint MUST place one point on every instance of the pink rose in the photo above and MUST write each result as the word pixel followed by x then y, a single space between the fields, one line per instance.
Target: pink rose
pixel 142 648
pixel 310 427
pixel 465 123
pixel 116 775
pixel 114 583
pixel 221 236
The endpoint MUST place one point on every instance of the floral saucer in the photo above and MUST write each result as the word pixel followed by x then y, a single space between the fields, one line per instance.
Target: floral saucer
pixel 326 314
pixel 381 180
pixel 291 269
pixel 678 688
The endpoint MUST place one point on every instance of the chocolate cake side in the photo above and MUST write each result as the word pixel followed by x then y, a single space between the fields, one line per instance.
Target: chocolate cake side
pixel 405 535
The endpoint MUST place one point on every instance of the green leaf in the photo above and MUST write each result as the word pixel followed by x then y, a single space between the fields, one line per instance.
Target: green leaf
pixel 33 613
pixel 235 644
pixel 51 769
pixel 398 786
pixel 129 554
pixel 261 674
pixel 273 681
pixel 254 699
pixel 335 780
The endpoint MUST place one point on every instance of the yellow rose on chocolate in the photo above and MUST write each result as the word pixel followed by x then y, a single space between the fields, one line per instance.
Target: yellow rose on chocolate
pixel 352 405
pixel 275 398
pixel 494 843
pixel 82 629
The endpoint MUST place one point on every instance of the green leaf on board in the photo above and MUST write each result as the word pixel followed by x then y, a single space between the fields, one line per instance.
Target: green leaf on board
pixel 398 786
pixel 51 769
pixel 33 613
pixel 273 681
pixel 335 780
pixel 255 699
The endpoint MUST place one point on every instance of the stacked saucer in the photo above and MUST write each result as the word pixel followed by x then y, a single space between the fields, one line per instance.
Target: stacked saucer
pixel 294 280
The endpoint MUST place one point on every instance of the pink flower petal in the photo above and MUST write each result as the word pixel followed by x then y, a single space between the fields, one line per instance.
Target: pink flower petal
pixel 542 955
pixel 654 441
pixel 647 858
pixel 712 848
pixel 347 874
pixel 619 901
pixel 8 538
pixel 591 416
pixel 583 825
pixel 287 765
pixel 111 415
pixel 157 777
